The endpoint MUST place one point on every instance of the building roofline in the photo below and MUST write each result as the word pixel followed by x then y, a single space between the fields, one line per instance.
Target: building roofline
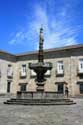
pixel 52 50
pixel 46 50
pixel 5 52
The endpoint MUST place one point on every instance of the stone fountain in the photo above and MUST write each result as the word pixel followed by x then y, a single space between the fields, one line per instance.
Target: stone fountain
pixel 40 96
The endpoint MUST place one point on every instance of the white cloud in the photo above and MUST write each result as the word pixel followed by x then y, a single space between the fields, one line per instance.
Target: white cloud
pixel 19 36
pixel 57 31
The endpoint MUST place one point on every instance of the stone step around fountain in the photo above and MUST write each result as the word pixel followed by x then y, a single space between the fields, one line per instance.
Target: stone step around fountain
pixel 40 98
pixel 39 101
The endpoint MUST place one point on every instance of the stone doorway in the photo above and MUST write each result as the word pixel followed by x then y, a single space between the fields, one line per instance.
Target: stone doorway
pixel 8 86
pixel 60 88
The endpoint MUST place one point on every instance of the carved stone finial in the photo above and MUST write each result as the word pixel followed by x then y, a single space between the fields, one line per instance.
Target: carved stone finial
pixel 41 39
pixel 41 35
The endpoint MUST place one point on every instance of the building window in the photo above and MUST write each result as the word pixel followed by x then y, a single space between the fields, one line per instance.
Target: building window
pixel 23 71
pixel 8 86
pixel 60 68
pixel 24 68
pixel 81 65
pixel 61 88
pixel 81 88
pixel 10 71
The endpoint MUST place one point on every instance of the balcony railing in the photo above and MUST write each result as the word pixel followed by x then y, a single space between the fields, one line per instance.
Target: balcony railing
pixel 23 74
pixel 48 73
pixel 80 71
pixel 33 74
pixel 60 73
pixel 9 74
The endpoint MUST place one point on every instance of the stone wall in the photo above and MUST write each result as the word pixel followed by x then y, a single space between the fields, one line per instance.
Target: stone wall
pixel 70 58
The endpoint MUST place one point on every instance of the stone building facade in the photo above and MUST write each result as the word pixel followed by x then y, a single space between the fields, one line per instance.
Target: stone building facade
pixel 67 70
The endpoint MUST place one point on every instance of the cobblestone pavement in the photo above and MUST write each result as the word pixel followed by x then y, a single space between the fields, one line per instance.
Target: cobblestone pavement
pixel 41 115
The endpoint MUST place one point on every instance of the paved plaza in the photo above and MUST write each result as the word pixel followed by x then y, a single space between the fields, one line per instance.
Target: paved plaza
pixel 41 115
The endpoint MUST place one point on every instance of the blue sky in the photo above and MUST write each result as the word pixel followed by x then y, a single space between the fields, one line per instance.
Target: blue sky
pixel 20 21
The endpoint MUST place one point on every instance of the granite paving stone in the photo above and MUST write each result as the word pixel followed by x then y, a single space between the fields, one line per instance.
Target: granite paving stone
pixel 41 115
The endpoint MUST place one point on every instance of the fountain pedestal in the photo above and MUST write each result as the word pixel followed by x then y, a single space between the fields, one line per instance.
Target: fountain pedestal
pixel 40 69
